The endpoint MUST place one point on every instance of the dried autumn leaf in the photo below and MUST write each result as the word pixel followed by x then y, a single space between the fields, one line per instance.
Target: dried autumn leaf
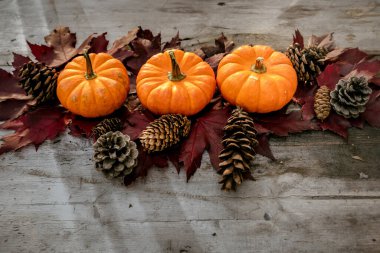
pixel 298 38
pixel 372 112
pixel 33 128
pixel 174 43
pixel 281 123
pixel 337 124
pixel 79 126
pixel 206 134
pixel 60 47
pixel 12 108
pixel 222 45
pixel 330 76
pixel 9 88
pixel 263 147
pixel 18 62
pixel 98 44
pixel 326 41
pixel 136 122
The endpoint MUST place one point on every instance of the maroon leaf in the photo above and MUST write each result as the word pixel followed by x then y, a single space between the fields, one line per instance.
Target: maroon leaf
pixel 18 62
pixel 305 97
pixel 136 122
pixel 298 38
pixel 337 124
pixel 12 108
pixel 206 134
pixel 81 127
pixel 263 148
pixel 33 128
pixel 281 124
pixel 351 55
pixel 175 42
pixel 372 112
pixel 98 44
pixel 330 76
pixel 9 88
pixel 325 41
pixel 120 48
pixel 368 69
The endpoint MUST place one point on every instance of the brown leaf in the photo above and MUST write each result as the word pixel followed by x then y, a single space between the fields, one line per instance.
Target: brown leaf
pixel 206 134
pixel 326 41
pixel 174 43
pixel 13 108
pixel 9 88
pixel 222 45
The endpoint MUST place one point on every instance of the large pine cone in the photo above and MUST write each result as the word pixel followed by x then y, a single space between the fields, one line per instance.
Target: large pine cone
pixel 39 81
pixel 308 62
pixel 107 125
pixel 239 141
pixel 115 154
pixel 165 132
pixel 322 105
pixel 350 96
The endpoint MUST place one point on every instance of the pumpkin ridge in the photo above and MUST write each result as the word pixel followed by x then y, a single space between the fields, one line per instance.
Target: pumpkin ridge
pixel 151 92
pixel 109 90
pixel 288 83
pixel 244 83
pixel 193 83
pixel 237 73
pixel 275 83
pixel 80 89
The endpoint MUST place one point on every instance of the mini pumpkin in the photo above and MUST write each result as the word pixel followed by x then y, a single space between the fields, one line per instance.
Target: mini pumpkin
pixel 93 85
pixel 257 78
pixel 175 82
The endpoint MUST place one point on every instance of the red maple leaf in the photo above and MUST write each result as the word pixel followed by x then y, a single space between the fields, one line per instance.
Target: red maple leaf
pixel 206 134
pixel 263 147
pixel 337 124
pixel 372 112
pixel 136 122
pixel 33 128
pixel 282 123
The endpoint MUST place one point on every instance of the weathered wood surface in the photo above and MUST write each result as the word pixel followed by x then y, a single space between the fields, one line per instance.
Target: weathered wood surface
pixel 311 200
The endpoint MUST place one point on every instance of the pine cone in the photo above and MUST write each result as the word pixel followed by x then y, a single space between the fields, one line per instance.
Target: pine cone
pixel 350 96
pixel 39 81
pixel 107 125
pixel 239 141
pixel 322 104
pixel 308 62
pixel 115 154
pixel 165 132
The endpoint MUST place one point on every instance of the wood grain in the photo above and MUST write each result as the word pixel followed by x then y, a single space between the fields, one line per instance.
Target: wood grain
pixel 311 199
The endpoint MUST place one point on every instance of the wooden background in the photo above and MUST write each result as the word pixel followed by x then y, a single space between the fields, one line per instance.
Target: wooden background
pixel 312 199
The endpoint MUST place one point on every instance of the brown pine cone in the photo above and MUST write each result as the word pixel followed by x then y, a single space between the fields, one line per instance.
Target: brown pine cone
pixel 165 132
pixel 322 104
pixel 39 81
pixel 239 141
pixel 107 125
pixel 308 62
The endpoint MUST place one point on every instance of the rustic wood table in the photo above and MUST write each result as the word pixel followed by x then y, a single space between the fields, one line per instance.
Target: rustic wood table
pixel 314 198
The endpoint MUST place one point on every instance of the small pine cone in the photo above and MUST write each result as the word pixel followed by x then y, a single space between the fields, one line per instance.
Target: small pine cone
pixel 350 96
pixel 39 81
pixel 322 104
pixel 107 125
pixel 115 154
pixel 238 141
pixel 308 62
pixel 165 132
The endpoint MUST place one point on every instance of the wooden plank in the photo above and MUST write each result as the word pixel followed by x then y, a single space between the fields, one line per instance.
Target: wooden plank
pixel 271 22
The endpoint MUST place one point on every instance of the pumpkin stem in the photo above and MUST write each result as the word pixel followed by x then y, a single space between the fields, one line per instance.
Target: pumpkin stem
pixel 90 74
pixel 259 66
pixel 175 75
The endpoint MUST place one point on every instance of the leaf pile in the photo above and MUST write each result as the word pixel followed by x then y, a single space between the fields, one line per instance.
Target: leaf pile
pixel 34 125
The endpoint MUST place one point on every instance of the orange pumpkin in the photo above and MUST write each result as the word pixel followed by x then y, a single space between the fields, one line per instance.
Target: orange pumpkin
pixel 257 78
pixel 175 82
pixel 93 85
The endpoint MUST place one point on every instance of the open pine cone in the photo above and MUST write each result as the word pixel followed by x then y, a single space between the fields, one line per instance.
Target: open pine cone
pixel 115 154
pixel 308 62
pixel 350 96
pixel 238 141
pixel 165 132
pixel 39 80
